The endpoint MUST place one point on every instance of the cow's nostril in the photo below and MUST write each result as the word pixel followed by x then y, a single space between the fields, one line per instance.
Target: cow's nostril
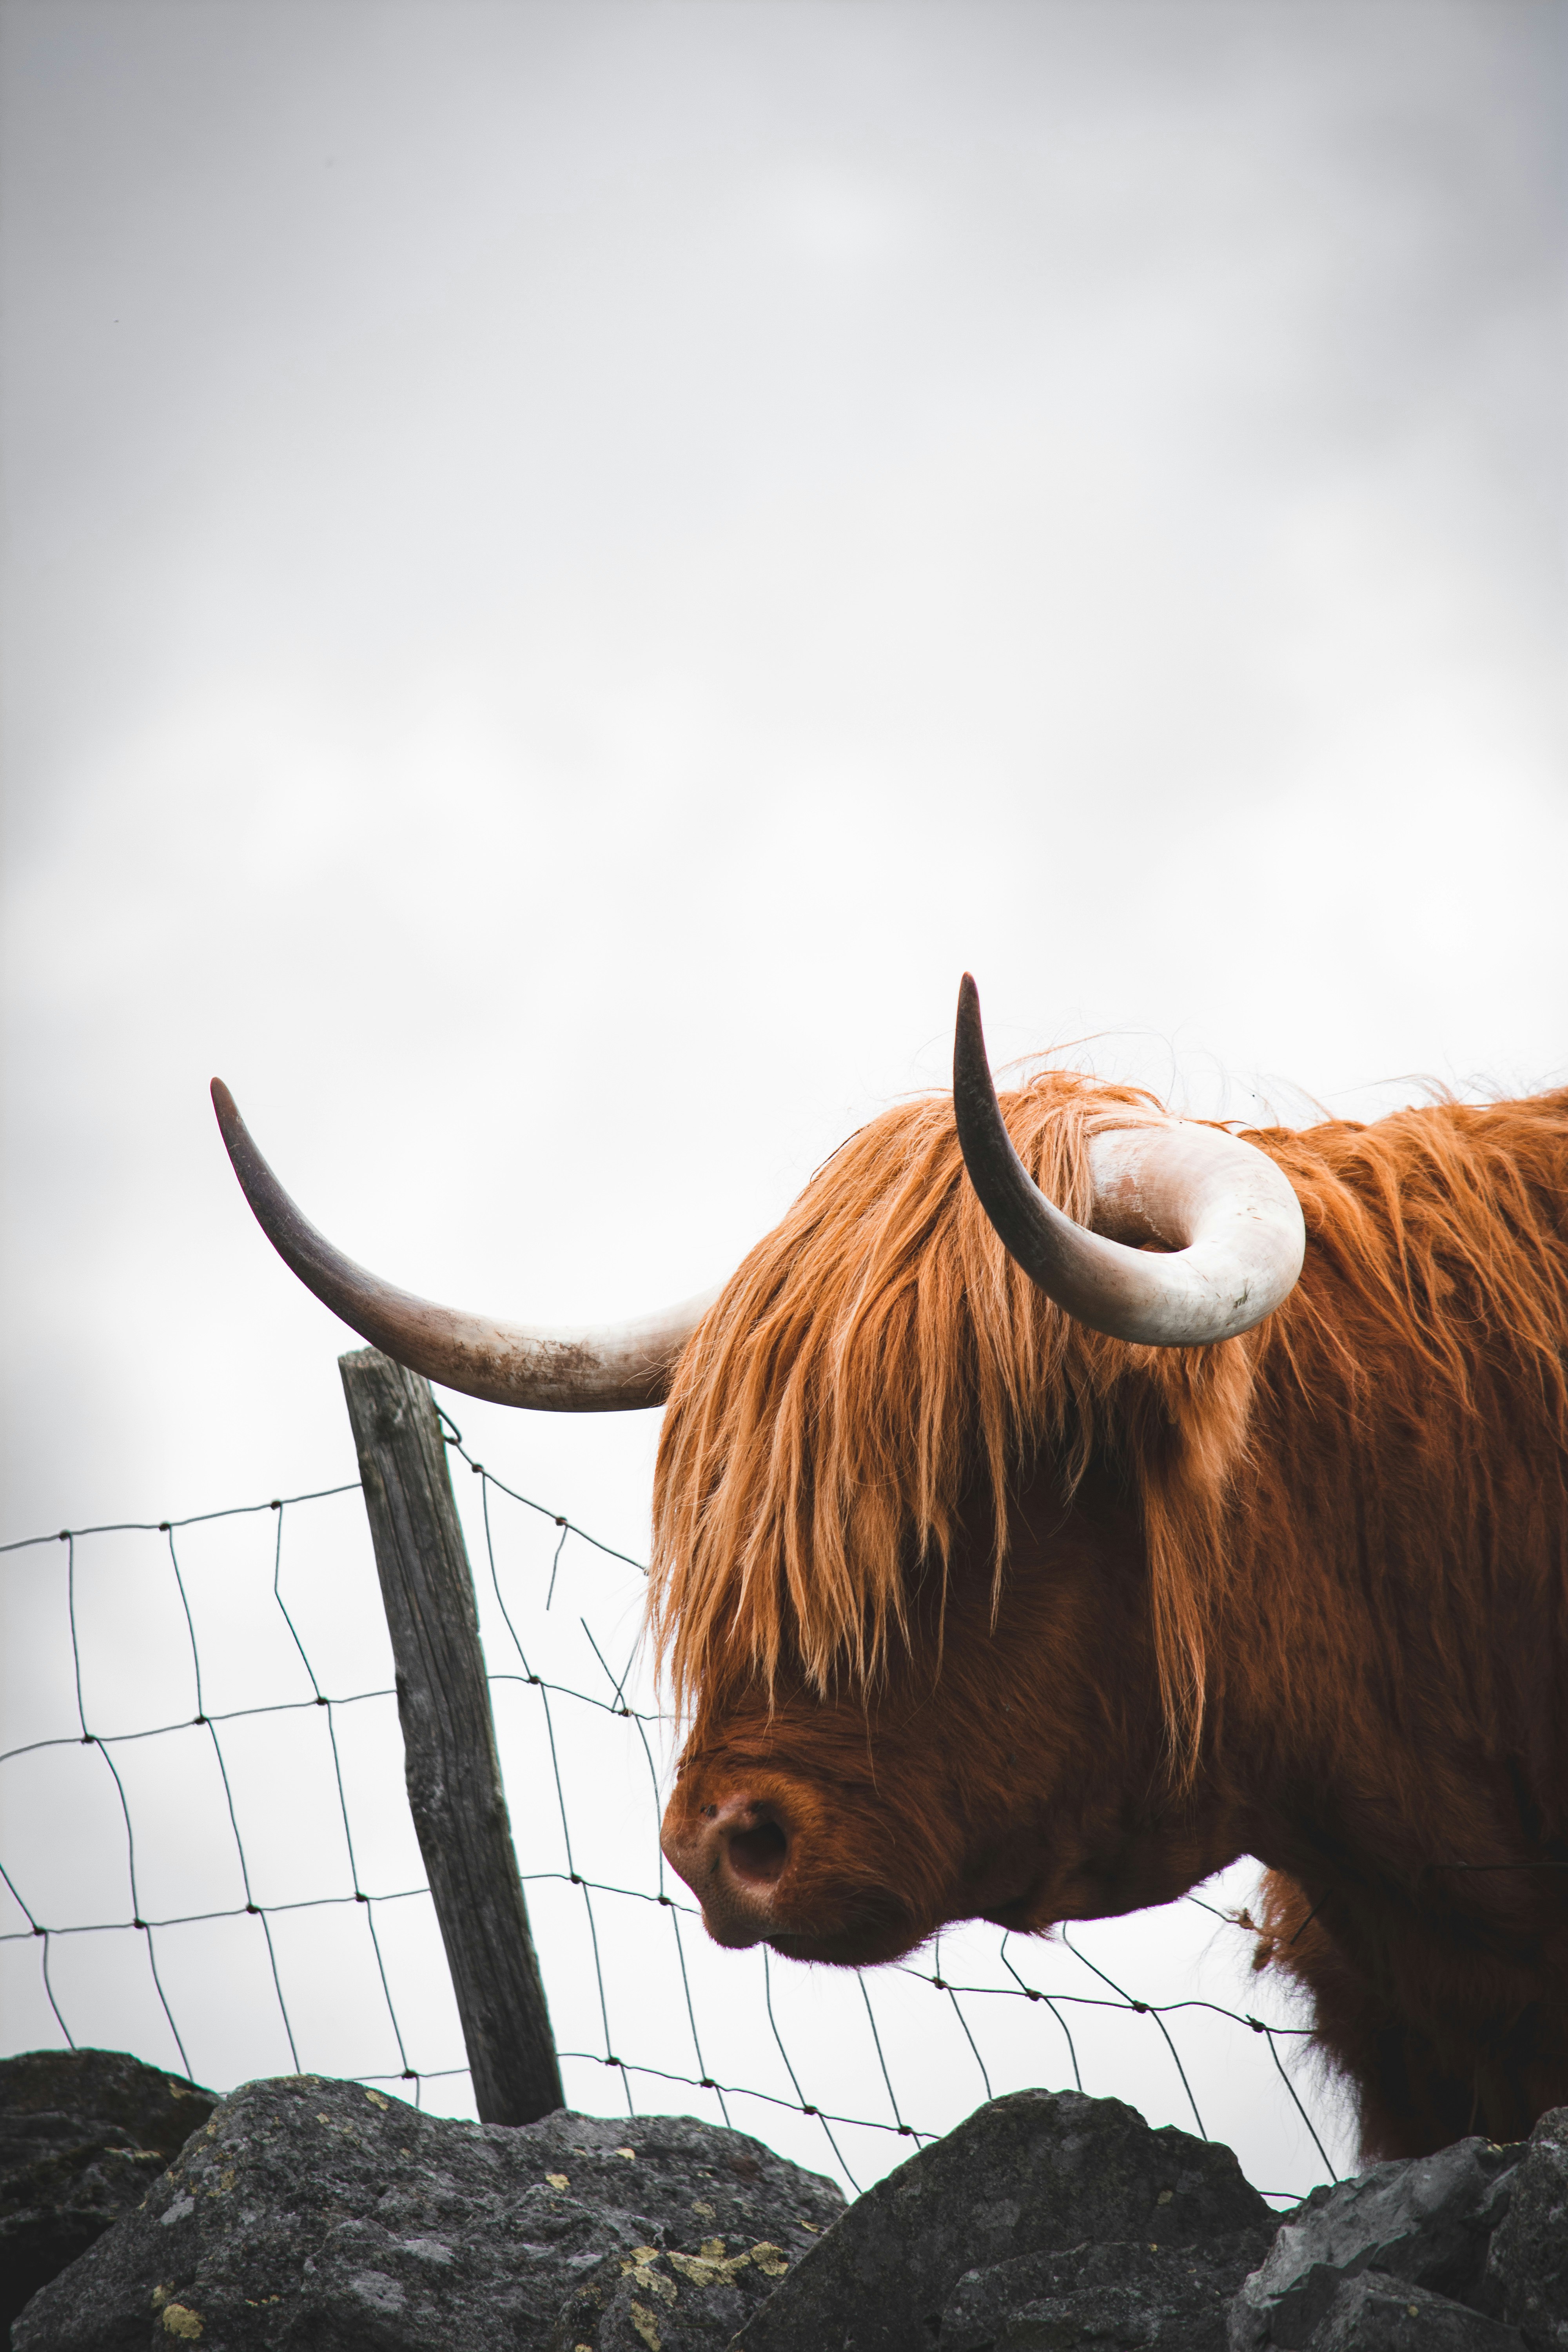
pixel 758 1856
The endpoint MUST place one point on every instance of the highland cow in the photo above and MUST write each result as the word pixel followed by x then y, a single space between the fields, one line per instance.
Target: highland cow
pixel 1066 1500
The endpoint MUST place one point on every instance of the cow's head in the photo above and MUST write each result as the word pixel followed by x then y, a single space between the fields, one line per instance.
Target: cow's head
pixel 966 1775
pixel 926 1502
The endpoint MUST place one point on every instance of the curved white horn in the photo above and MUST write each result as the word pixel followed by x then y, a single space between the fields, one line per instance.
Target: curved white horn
pixel 612 1370
pixel 1225 1215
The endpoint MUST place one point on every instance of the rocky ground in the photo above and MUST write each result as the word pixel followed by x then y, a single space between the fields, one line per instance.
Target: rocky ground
pixel 83 2135
pixel 307 2213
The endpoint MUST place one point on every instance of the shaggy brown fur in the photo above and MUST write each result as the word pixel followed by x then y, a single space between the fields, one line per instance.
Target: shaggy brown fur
pixel 873 1359
pixel 1354 1524
pixel 879 1352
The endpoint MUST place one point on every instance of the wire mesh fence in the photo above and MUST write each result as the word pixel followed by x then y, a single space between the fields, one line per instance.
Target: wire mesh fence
pixel 206 1858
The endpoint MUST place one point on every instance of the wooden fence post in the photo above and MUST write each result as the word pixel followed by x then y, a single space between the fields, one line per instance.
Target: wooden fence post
pixel 455 1790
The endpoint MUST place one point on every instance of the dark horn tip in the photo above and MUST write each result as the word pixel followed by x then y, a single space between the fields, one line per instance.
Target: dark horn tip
pixel 236 1135
pixel 969 1034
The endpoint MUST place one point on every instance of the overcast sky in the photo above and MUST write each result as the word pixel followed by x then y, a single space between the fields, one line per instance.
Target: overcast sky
pixel 568 568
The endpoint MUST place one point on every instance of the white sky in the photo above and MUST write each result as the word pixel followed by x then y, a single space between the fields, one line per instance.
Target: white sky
pixel 568 567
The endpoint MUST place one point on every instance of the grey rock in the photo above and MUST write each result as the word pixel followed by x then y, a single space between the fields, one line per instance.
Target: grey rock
pixel 83 2135
pixel 671 2302
pixel 1527 2269
pixel 1148 2294
pixel 1425 2220
pixel 1374 2311
pixel 314 2213
pixel 1035 2171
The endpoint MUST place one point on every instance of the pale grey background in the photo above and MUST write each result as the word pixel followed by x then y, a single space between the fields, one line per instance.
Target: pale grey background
pixel 568 567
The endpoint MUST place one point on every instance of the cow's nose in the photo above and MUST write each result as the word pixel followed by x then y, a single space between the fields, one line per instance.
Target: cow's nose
pixel 730 1855
pixel 752 1842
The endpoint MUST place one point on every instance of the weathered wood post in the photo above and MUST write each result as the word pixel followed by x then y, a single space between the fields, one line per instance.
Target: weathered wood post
pixel 455 1790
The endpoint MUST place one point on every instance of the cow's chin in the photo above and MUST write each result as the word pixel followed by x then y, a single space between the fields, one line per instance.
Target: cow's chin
pixel 865 1942
pixel 856 1929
